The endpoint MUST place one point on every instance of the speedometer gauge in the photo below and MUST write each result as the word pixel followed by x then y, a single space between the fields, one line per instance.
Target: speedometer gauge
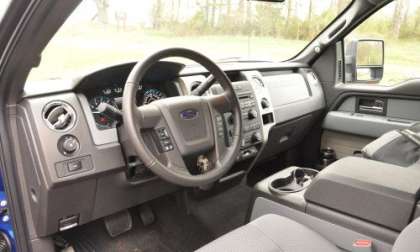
pixel 152 94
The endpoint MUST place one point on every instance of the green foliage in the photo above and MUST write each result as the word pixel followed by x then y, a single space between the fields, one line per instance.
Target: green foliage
pixel 245 18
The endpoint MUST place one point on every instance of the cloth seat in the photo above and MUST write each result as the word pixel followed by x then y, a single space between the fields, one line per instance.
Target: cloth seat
pixel 274 233
pixel 271 233
pixel 398 147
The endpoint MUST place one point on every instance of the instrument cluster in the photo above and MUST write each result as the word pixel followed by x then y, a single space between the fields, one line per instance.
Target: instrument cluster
pixel 112 95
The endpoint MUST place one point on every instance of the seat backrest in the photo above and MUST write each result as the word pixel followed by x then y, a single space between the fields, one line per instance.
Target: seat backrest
pixel 409 239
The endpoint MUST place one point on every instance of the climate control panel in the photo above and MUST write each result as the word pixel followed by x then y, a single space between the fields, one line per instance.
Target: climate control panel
pixel 252 135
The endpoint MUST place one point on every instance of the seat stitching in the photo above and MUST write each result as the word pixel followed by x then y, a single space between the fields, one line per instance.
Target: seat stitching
pixel 268 237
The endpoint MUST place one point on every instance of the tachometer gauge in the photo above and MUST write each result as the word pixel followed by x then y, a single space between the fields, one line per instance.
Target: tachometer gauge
pixel 152 94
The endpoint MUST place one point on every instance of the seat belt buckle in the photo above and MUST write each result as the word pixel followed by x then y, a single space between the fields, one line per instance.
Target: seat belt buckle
pixel 362 245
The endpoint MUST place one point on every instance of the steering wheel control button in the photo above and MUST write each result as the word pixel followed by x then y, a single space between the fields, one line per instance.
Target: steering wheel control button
pixel 73 166
pixel 164 139
pixel 168 147
pixel 163 133
pixel 68 145
pixel 219 126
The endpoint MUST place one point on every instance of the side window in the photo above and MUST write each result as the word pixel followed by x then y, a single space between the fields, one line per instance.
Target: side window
pixel 4 4
pixel 385 48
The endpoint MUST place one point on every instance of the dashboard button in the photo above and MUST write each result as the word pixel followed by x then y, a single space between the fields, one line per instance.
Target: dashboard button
pixel 163 133
pixel 74 166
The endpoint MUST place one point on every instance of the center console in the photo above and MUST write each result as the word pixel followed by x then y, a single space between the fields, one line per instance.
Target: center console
pixel 361 197
pixel 288 186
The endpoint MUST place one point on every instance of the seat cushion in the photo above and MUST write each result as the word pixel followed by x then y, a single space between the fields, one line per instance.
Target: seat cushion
pixel 408 240
pixel 271 233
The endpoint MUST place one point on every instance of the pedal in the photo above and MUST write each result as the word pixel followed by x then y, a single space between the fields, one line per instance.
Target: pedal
pixel 60 242
pixel 147 215
pixel 118 223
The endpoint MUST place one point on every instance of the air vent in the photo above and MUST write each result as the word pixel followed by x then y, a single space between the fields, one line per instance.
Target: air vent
pixel 257 81
pixel 59 116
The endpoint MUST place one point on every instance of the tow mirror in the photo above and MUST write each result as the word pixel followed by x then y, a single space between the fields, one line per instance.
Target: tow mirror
pixel 365 61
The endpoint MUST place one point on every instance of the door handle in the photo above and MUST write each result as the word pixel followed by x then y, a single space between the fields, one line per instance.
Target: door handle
pixel 371 106
pixel 372 109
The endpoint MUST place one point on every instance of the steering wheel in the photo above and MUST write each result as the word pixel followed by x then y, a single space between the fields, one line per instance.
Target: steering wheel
pixel 184 139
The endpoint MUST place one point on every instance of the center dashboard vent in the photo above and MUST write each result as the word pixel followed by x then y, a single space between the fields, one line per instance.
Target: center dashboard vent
pixel 257 81
pixel 59 116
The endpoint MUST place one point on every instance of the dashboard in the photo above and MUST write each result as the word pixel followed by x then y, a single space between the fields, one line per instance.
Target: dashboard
pixel 80 170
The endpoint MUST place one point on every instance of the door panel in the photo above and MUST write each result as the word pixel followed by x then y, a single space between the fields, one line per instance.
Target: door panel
pixel 344 144
pixel 363 124
pixel 360 119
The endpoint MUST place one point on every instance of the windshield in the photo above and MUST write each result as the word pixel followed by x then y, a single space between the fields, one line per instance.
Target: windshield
pixel 104 32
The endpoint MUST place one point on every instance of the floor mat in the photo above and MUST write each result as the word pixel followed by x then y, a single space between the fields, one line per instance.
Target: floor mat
pixel 174 230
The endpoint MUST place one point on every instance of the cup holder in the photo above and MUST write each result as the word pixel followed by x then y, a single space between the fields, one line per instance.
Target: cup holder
pixel 296 181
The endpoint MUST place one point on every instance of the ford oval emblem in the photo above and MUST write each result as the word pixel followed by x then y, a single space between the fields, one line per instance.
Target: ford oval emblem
pixel 189 114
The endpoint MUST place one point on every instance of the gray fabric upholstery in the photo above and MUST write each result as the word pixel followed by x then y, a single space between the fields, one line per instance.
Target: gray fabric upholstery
pixel 409 239
pixel 393 148
pixel 271 233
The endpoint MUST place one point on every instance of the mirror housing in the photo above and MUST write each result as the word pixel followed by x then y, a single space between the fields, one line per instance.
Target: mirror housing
pixel 365 61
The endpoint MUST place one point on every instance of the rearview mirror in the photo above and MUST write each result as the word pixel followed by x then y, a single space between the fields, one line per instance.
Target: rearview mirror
pixel 365 61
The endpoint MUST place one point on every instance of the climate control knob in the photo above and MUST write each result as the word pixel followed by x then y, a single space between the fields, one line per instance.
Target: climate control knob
pixel 256 137
pixel 264 103
pixel 252 114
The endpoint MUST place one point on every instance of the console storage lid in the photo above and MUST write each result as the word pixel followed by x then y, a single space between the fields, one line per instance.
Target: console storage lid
pixel 377 192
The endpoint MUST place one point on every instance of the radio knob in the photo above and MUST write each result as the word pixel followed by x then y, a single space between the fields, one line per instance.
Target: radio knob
pixel 230 120
pixel 252 114
pixel 256 137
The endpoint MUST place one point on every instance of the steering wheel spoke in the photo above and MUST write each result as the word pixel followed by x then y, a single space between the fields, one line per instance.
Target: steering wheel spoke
pixel 149 116
pixel 221 102
pixel 175 162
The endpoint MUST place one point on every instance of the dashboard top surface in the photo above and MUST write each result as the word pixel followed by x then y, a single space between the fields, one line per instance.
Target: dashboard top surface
pixel 45 87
